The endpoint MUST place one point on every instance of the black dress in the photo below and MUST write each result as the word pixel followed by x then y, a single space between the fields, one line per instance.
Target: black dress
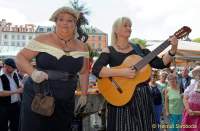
pixel 138 114
pixel 63 93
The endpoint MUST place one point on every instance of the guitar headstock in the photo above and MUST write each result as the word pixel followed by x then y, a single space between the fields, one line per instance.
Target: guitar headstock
pixel 184 31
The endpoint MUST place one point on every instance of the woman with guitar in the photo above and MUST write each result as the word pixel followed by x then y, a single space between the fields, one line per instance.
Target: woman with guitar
pixel 137 114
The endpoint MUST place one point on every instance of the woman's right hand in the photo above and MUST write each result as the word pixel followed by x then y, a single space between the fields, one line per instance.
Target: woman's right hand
pixel 190 112
pixel 166 113
pixel 128 72
pixel 39 76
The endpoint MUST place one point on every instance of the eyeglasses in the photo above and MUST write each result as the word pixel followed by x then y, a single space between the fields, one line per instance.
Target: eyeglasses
pixel 172 79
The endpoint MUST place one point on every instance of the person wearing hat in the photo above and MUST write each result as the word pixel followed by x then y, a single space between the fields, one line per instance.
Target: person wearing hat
pixel 10 90
pixel 191 99
pixel 62 53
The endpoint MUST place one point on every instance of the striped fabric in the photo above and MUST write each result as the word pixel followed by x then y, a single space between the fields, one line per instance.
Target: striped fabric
pixel 137 115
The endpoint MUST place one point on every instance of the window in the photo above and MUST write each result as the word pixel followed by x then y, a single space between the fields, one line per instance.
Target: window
pixel 5 43
pixel 99 46
pixel 41 30
pixel 30 37
pixel 93 31
pixel 23 37
pixel 23 44
pixel 12 43
pixel 13 37
pixel 18 44
pixel 48 29
pixel 93 37
pixel 5 36
pixel 99 38
pixel 18 37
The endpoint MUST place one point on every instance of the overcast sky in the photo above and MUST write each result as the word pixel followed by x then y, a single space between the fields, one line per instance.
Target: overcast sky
pixel 152 19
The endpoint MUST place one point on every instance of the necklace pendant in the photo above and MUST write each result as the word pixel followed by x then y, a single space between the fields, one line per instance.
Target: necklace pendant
pixel 66 50
pixel 123 48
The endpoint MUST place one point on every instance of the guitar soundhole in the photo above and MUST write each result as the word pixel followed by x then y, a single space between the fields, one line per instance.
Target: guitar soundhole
pixel 116 85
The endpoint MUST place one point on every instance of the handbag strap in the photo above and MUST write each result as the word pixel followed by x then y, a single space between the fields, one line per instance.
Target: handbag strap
pixel 44 88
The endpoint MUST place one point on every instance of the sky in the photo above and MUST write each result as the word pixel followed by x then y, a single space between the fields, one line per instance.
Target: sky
pixel 151 19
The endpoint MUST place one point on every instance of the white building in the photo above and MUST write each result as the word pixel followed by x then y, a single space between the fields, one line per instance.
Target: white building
pixel 15 37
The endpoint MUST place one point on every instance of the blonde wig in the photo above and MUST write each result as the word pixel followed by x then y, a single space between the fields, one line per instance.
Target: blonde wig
pixel 119 22
pixel 68 10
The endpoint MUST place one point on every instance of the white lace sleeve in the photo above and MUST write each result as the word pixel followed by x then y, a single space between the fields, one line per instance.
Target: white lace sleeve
pixel 58 53
pixel 38 46
pixel 190 88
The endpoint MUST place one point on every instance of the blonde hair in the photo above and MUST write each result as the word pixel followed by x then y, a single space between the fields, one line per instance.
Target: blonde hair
pixel 171 76
pixel 64 9
pixel 119 22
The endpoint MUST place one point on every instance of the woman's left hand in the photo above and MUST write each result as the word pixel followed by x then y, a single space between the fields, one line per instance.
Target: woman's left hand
pixel 190 112
pixel 174 42
pixel 82 101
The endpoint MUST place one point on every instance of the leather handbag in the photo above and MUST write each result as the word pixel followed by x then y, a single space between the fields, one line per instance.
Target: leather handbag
pixel 43 103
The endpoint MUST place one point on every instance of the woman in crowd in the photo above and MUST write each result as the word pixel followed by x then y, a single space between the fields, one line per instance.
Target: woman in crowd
pixel 191 115
pixel 59 57
pixel 173 103
pixel 157 97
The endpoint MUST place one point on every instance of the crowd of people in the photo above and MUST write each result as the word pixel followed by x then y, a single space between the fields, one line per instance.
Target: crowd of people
pixel 168 100
pixel 171 103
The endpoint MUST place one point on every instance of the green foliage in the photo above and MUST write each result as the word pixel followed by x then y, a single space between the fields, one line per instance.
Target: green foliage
pixel 92 53
pixel 196 40
pixel 139 41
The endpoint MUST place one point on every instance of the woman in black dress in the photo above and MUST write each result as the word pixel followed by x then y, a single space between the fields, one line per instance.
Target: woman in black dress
pixel 137 115
pixel 59 57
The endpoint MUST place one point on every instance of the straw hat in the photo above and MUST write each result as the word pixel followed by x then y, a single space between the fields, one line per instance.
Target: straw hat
pixel 64 9
pixel 196 72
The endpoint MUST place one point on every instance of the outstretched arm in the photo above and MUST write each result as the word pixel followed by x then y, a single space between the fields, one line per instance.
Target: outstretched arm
pixel 168 57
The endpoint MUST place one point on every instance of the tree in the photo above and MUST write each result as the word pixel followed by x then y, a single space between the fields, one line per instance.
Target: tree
pixel 139 41
pixel 82 19
pixel 196 40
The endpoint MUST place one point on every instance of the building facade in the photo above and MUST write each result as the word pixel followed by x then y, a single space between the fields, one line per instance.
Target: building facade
pixel 14 37
pixel 97 39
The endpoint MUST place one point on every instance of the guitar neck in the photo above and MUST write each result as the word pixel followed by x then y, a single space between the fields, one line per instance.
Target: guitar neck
pixel 151 55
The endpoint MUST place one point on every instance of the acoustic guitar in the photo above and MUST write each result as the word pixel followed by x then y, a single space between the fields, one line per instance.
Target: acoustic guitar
pixel 118 91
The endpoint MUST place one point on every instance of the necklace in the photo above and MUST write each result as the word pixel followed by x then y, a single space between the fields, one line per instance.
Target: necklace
pixel 123 48
pixel 65 41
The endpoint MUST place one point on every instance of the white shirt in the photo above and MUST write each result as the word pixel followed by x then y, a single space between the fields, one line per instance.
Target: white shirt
pixel 13 87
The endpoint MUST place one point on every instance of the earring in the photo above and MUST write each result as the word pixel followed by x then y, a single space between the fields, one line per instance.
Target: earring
pixel 76 35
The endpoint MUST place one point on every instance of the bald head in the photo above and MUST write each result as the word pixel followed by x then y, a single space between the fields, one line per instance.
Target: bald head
pixel 185 72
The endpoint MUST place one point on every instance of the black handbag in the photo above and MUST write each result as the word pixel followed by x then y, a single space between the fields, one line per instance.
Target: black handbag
pixel 43 102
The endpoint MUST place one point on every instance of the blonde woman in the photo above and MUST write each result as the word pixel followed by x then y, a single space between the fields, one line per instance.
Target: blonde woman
pixel 138 114
pixel 59 58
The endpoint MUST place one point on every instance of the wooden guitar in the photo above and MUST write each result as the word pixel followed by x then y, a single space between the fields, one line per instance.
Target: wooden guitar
pixel 119 90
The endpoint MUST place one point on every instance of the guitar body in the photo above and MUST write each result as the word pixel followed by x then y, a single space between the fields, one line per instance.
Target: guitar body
pixel 127 85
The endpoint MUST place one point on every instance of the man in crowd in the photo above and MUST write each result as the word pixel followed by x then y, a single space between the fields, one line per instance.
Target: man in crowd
pixel 184 79
pixel 10 90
